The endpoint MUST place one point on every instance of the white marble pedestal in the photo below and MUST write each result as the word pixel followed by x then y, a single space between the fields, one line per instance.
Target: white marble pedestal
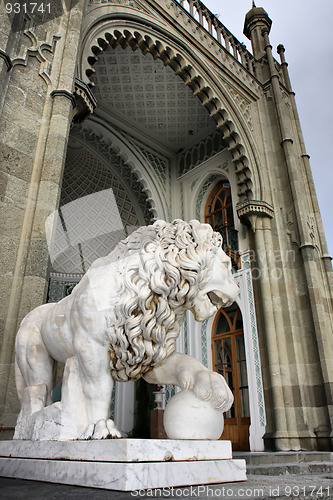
pixel 122 464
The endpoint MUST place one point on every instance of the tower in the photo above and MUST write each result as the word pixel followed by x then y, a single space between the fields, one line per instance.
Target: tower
pixel 114 114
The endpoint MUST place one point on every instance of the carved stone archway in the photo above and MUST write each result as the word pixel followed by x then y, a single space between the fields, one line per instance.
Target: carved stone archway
pixel 114 33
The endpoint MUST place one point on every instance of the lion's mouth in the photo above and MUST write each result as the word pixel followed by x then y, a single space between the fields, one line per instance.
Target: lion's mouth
pixel 219 299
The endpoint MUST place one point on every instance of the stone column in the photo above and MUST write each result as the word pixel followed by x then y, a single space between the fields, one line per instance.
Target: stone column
pixel 286 423
pixel 258 215
pixel 276 416
pixel 326 258
pixel 307 216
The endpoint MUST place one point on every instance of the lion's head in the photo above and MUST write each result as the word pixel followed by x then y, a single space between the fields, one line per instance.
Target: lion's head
pixel 165 269
pixel 204 268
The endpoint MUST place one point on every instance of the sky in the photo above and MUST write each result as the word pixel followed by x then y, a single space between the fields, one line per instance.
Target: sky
pixel 304 27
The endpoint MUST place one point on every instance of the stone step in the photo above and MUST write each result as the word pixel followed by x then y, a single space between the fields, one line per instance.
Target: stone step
pixel 290 468
pixel 280 463
pixel 280 458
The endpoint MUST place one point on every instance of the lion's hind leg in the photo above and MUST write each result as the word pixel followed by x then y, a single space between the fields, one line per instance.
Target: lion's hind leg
pixel 33 364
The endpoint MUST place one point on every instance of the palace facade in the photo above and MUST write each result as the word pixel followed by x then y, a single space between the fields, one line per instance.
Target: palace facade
pixel 115 113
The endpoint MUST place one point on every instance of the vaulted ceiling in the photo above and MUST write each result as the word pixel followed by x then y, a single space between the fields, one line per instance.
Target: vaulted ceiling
pixel 150 98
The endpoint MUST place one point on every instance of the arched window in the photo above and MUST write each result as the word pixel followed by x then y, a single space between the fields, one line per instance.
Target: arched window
pixel 219 214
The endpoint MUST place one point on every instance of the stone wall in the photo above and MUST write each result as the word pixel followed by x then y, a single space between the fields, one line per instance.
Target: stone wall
pixel 38 69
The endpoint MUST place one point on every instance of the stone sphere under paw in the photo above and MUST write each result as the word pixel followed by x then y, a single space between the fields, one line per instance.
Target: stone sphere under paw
pixel 187 417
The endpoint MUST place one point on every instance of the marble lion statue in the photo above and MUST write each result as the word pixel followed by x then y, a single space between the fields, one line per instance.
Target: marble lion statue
pixel 121 323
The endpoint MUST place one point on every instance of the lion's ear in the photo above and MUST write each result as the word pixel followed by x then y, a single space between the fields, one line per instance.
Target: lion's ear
pixel 201 232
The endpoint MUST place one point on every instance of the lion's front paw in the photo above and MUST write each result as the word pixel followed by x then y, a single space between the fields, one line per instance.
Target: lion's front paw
pixel 212 387
pixel 103 429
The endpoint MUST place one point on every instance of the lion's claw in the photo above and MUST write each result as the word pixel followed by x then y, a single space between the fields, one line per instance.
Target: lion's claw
pixel 103 429
pixel 88 432
pixel 186 380
pixel 211 386
pixel 113 431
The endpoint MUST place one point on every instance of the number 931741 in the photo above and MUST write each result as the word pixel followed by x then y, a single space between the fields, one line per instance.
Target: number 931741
pixel 28 8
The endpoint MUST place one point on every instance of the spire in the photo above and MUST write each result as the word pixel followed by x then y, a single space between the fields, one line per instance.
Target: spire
pixel 256 20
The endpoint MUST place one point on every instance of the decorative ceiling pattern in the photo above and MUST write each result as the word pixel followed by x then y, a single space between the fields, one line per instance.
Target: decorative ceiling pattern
pixel 150 97
pixel 95 213
pixel 117 165
pixel 85 174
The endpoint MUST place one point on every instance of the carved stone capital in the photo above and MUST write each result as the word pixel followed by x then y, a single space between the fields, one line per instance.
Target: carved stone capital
pixel 85 101
pixel 256 207
pixel 249 211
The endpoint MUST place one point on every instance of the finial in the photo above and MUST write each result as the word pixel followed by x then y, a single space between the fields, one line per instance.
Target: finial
pixel 253 5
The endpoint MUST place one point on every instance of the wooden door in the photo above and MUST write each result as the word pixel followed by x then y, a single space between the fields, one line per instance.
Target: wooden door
pixel 230 361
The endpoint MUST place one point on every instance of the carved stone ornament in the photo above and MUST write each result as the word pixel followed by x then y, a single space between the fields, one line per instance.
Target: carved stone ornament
pixel 254 206
pixel 250 210
pixel 121 323
pixel 43 50
pixel 85 101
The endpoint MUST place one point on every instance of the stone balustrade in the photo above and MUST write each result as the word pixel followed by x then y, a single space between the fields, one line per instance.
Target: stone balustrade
pixel 218 31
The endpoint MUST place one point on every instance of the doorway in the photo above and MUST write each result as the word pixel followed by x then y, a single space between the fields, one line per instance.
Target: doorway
pixel 229 360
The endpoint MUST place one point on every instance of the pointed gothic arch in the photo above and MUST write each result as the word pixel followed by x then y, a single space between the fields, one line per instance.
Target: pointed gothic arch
pixel 115 33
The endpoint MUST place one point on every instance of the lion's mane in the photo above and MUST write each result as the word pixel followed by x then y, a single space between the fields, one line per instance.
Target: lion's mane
pixel 162 267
